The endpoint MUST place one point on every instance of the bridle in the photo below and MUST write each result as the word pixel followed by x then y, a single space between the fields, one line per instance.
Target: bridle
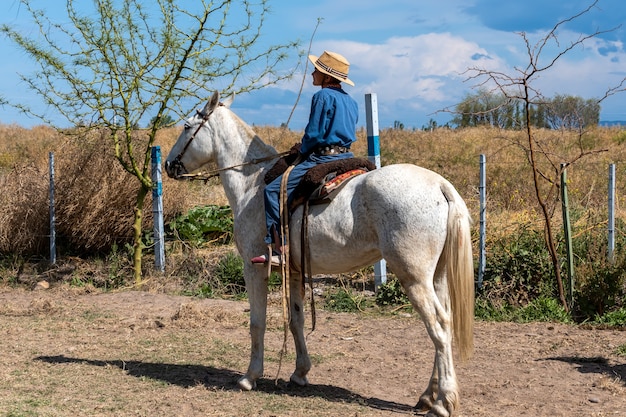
pixel 178 165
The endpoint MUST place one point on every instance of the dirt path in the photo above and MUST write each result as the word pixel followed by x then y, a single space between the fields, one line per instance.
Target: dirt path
pixel 142 354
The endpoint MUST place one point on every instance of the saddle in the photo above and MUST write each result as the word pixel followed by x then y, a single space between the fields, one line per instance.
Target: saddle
pixel 320 184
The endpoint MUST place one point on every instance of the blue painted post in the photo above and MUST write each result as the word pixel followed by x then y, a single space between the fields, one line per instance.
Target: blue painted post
pixel 157 210
pixel 373 154
pixel 482 194
pixel 53 243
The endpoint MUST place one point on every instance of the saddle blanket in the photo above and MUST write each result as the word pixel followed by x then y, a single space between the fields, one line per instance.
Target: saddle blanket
pixel 322 182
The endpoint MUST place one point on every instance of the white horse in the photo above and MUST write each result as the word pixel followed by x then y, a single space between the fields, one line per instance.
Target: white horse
pixel 410 216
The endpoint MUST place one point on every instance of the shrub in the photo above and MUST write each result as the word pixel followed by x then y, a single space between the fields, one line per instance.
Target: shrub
pixel 544 309
pixel 613 318
pixel 343 300
pixel 218 274
pixel 229 274
pixel 518 269
pixel 391 294
pixel 206 224
pixel 519 274
pixel 193 270
pixel 599 288
pixel 599 284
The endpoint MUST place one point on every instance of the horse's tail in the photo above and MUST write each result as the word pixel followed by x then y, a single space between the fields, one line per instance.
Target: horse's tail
pixel 460 271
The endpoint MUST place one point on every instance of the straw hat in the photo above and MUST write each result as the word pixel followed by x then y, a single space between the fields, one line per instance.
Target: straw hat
pixel 332 64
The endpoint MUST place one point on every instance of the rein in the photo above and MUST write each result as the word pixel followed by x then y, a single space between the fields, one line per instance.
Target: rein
pixel 207 175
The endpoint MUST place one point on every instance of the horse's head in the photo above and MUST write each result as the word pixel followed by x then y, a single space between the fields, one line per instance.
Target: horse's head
pixel 191 150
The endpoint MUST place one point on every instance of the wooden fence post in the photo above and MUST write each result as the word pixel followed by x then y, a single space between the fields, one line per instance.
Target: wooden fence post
pixel 567 232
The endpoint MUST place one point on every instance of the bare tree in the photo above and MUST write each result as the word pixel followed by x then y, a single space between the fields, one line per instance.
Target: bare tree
pixel 520 86
pixel 116 63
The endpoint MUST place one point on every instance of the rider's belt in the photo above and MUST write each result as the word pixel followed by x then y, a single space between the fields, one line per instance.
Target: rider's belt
pixel 330 150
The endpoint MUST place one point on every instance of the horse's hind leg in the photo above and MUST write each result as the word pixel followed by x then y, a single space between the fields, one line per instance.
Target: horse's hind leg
pixel 296 325
pixel 443 388
pixel 429 396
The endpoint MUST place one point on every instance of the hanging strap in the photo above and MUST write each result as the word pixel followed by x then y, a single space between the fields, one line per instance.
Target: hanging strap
pixel 284 262
pixel 305 260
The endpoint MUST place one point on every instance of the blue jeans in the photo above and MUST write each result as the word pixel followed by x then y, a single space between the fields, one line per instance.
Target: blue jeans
pixel 272 190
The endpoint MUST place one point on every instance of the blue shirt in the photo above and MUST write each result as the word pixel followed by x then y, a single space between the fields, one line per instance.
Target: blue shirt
pixel 332 121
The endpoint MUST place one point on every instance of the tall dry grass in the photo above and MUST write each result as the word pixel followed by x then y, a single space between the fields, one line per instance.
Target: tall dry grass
pixel 94 196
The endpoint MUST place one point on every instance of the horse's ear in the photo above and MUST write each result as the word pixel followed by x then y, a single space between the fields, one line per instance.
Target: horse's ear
pixel 212 104
pixel 229 101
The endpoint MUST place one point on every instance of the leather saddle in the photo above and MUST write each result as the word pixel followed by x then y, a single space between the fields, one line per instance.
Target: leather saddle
pixel 321 183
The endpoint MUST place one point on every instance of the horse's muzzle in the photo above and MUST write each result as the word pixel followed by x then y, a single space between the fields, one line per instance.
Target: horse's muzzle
pixel 175 169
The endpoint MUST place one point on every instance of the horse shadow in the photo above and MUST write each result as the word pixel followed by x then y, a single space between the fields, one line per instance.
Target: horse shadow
pixel 594 365
pixel 187 376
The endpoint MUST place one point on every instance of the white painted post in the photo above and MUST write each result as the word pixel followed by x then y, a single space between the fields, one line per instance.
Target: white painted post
pixel 482 195
pixel 373 154
pixel 157 210
pixel 53 243
pixel 611 227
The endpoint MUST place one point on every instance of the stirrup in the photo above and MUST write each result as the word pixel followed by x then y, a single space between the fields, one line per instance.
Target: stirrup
pixel 276 259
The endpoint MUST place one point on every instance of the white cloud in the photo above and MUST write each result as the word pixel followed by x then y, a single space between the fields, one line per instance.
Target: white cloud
pixel 415 76
pixel 416 68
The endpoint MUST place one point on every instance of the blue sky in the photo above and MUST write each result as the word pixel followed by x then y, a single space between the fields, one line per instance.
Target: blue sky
pixel 411 53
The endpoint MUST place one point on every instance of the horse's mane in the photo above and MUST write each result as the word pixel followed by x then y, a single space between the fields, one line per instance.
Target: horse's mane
pixel 251 133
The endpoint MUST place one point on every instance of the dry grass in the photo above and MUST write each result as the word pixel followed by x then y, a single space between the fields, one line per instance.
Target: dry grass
pixel 94 196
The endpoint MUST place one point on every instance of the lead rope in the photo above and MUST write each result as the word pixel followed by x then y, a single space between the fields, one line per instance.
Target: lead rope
pixel 306 261
pixel 284 264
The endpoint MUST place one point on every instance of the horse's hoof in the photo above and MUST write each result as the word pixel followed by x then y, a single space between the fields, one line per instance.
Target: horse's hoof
pixel 301 381
pixel 438 410
pixel 423 405
pixel 245 384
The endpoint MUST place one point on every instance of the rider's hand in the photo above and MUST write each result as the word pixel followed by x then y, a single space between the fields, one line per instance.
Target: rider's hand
pixel 295 148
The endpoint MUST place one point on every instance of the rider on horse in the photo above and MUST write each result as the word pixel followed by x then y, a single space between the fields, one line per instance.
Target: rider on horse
pixel 328 135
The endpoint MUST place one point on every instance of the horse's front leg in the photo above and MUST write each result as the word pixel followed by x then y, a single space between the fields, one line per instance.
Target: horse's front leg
pixel 296 325
pixel 256 286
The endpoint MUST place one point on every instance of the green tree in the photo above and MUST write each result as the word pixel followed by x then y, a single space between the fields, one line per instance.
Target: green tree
pixel 493 108
pixel 432 125
pixel 165 121
pixel 114 62
pixel 571 112
pixel 485 108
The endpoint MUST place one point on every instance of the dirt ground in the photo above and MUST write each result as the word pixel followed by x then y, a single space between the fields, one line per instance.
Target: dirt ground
pixel 66 352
